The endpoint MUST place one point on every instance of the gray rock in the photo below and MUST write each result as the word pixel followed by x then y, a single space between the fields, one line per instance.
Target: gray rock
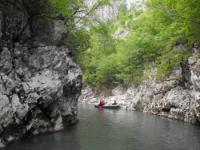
pixel 169 98
pixel 2 145
pixel 39 81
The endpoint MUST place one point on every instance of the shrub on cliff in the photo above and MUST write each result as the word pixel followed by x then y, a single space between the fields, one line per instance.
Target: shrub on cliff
pixel 162 34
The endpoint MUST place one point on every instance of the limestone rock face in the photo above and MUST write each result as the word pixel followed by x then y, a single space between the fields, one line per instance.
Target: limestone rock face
pixel 39 81
pixel 177 97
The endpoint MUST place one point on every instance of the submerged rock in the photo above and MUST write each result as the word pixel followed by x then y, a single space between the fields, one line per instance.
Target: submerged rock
pixel 39 81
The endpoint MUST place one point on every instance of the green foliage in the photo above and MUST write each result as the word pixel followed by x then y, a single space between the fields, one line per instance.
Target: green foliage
pixel 155 34
pixel 75 15
pixel 76 11
pixel 169 61
pixel 78 40
pixel 153 37
pixel 97 61
pixel 67 7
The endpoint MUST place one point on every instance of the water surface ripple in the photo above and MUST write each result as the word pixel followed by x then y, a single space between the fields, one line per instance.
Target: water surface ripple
pixel 117 130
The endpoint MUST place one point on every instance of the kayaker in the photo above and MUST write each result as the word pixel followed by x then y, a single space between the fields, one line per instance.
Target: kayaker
pixel 102 103
pixel 115 103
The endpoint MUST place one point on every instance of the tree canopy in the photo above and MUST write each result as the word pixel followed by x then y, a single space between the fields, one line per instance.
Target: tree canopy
pixel 119 50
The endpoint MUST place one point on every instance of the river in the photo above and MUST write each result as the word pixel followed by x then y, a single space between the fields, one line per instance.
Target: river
pixel 117 130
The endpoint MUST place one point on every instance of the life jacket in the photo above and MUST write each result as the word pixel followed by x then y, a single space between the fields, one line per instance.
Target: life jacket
pixel 102 102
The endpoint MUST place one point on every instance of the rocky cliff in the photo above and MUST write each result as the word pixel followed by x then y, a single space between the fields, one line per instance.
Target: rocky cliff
pixel 39 81
pixel 177 97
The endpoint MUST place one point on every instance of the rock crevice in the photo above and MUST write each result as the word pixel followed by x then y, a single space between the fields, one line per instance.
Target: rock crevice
pixel 39 81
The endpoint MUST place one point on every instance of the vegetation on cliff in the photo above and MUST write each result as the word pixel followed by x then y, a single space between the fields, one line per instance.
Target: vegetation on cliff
pixel 119 50
pixel 161 35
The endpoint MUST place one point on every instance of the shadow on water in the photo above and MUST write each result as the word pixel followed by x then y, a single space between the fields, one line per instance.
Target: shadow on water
pixel 117 130
pixel 54 141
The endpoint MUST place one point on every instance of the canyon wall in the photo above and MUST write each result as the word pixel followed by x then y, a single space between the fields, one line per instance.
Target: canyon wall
pixel 39 81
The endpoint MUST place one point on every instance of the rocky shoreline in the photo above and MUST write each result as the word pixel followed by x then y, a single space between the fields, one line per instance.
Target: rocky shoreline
pixel 177 97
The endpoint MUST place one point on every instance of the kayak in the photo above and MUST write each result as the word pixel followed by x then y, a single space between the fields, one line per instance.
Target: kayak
pixel 108 106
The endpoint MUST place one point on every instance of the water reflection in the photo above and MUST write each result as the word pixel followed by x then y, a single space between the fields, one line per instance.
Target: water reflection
pixel 117 130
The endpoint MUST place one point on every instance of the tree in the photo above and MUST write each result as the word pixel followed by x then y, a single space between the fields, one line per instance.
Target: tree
pixel 154 34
